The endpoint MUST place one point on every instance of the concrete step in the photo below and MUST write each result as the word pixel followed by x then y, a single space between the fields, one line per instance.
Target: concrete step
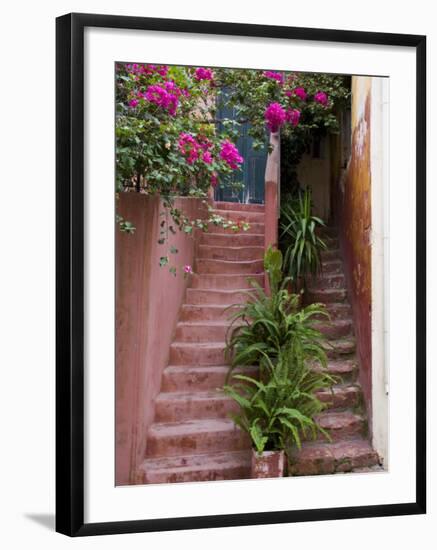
pixel 191 313
pixel 332 266
pixel 339 310
pixel 341 425
pixel 207 353
pixel 189 468
pixel 240 215
pixel 255 228
pixel 330 254
pixel 215 330
pixel 194 378
pixel 179 406
pixel 341 396
pixel 224 281
pixel 327 231
pixel 336 349
pixel 202 331
pixel 331 242
pixel 231 253
pixel 324 458
pixel 220 205
pixel 247 267
pixel 196 296
pixel 328 280
pixel 345 369
pixel 325 295
pixel 334 329
pixel 195 437
pixel 172 406
pixel 234 239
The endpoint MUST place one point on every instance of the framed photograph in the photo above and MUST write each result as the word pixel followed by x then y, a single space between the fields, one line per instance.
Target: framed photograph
pixel 240 274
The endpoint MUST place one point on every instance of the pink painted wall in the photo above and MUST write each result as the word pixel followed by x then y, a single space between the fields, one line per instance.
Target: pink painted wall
pixel 271 198
pixel 148 299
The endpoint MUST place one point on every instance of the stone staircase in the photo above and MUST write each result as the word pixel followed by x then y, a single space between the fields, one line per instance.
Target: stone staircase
pixel 344 419
pixel 192 437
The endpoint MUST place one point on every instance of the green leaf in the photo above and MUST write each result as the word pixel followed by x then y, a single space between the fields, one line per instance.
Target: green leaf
pixel 257 437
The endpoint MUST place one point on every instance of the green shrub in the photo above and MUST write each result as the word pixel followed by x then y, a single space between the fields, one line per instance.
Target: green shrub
pixel 267 323
pixel 298 237
pixel 278 410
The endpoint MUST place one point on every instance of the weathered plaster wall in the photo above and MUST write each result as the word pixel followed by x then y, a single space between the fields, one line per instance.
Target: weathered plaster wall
pixel 354 218
pixel 359 200
pixel 316 173
pixel 148 299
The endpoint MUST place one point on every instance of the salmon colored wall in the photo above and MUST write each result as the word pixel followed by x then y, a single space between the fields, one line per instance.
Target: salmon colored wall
pixel 271 199
pixel 148 299
pixel 354 218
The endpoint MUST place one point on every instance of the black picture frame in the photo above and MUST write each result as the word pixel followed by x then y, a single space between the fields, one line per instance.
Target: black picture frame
pixel 70 273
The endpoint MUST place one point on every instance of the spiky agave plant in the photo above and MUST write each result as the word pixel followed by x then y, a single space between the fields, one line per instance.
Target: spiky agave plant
pixel 266 323
pixel 278 410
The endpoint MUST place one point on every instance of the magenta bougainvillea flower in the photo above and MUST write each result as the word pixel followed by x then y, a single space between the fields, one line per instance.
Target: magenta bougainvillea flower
pixel 163 70
pixel 300 93
pixel 201 73
pixel 214 179
pixel 204 142
pixel 292 116
pixel 274 76
pixel 229 153
pixel 136 68
pixel 188 269
pixel 167 97
pixel 275 116
pixel 171 87
pixel 321 98
pixel 207 157
pixel 156 94
pixel 194 149
pixel 189 147
pixel 133 103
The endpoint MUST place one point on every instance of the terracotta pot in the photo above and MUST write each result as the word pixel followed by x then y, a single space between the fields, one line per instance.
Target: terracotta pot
pixel 268 464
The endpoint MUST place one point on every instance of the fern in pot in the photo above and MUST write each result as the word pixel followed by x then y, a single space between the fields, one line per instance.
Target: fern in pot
pixel 278 409
pixel 266 323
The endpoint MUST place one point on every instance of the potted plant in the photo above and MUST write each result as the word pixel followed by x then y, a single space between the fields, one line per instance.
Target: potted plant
pixel 268 322
pixel 278 406
pixel 278 409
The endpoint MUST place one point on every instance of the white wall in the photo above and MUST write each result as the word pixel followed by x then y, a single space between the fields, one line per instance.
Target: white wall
pixel 379 189
pixel 27 278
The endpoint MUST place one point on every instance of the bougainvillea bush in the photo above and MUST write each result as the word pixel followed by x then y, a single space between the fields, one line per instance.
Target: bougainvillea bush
pixel 166 142
pixel 170 141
